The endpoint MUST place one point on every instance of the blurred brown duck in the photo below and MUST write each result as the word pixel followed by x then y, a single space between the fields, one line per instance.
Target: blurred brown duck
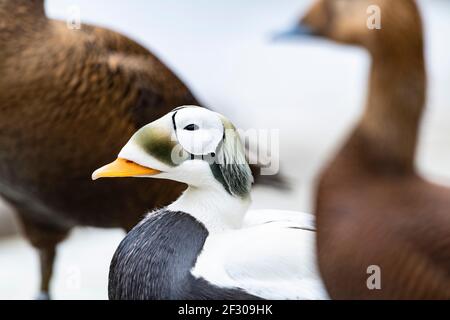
pixel 372 207
pixel 60 90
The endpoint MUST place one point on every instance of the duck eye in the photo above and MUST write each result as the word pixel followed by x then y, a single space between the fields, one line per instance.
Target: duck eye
pixel 191 127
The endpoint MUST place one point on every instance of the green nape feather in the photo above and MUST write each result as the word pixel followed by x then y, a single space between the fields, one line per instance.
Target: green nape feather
pixel 231 167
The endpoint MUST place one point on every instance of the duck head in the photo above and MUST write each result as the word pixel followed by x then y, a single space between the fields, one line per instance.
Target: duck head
pixel 191 145
pixel 373 24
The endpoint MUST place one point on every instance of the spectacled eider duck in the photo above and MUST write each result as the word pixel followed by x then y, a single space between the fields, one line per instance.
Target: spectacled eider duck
pixel 372 207
pixel 205 245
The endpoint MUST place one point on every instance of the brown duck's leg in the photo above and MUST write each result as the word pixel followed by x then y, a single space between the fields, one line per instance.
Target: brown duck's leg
pixel 44 238
pixel 46 259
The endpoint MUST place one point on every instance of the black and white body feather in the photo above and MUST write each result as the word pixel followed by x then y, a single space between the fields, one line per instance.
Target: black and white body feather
pixel 154 262
pixel 171 255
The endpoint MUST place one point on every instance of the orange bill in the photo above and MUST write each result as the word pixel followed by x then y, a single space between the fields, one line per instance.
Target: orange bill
pixel 123 168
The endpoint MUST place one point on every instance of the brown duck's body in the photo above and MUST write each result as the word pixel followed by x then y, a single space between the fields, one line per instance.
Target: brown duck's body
pixel 69 100
pixel 372 208
pixel 395 221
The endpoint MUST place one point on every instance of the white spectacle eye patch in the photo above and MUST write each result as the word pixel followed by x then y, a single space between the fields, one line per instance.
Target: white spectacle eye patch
pixel 199 131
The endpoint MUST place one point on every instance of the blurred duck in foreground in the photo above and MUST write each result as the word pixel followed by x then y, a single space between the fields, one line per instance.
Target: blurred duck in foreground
pixel 206 245
pixel 372 207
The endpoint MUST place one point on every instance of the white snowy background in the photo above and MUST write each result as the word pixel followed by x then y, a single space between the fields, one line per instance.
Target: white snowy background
pixel 312 91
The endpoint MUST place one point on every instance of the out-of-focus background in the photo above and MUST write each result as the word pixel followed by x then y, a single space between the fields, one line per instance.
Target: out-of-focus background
pixel 311 90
